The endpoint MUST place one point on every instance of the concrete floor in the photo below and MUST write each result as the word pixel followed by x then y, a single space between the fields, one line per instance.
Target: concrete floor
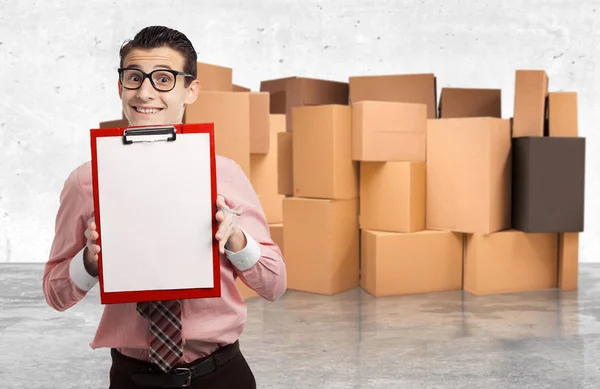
pixel 452 340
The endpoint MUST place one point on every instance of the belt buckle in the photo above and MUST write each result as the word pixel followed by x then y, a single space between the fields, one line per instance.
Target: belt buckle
pixel 188 380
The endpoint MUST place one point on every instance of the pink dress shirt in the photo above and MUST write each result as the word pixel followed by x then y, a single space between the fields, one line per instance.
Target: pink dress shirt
pixel 207 323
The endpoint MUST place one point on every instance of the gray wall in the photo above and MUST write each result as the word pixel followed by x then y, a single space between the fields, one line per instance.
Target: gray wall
pixel 58 77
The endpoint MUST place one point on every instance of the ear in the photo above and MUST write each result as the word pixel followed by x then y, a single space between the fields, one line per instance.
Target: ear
pixel 120 88
pixel 192 92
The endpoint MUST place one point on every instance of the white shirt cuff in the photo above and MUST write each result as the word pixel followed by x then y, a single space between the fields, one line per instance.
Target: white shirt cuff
pixel 246 257
pixel 79 275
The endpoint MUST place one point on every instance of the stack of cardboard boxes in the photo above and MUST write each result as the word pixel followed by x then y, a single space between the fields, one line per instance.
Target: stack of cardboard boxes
pixel 369 183
pixel 320 212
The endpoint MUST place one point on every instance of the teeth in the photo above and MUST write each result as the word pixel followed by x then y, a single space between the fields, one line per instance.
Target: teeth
pixel 147 110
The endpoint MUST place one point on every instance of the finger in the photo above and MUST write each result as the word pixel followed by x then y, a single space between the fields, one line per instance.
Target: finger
pixel 223 229
pixel 220 216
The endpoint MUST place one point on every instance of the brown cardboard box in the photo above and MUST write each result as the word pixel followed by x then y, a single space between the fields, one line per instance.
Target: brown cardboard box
pixel 245 291
pixel 119 123
pixel 468 175
pixel 563 114
pixel 388 131
pixel 403 88
pixel 239 88
pixel 263 168
pixel 392 196
pixel 277 235
pixel 395 264
pixel 510 261
pixel 215 77
pixel 322 153
pixel 568 261
pixel 260 141
pixel 285 171
pixel 230 112
pixel 470 102
pixel 531 93
pixel 294 92
pixel 548 184
pixel 272 206
pixel 321 239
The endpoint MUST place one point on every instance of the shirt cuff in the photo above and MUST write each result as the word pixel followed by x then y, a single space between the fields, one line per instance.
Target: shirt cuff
pixel 79 275
pixel 246 257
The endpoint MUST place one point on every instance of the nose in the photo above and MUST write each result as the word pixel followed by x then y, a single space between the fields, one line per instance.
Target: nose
pixel 146 91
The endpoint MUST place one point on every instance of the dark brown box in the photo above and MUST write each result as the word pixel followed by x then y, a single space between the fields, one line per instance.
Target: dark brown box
pixel 300 91
pixel 470 102
pixel 548 184
pixel 118 123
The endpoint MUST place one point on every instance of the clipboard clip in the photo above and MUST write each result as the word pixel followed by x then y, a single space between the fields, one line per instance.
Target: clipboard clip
pixel 148 133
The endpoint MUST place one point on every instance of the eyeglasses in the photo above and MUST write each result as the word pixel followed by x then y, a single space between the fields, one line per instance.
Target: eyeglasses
pixel 163 80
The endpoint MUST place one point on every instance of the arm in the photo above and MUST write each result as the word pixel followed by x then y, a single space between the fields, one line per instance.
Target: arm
pixel 260 262
pixel 66 280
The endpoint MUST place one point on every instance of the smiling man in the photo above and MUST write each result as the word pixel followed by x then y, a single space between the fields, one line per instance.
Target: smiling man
pixel 169 344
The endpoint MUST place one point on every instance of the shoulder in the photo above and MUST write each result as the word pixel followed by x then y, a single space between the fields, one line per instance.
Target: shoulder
pixel 81 177
pixel 227 168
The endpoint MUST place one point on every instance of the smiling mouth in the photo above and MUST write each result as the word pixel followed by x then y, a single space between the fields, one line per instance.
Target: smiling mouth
pixel 146 111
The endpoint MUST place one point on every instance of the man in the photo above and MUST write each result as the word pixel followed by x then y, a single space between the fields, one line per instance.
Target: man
pixel 157 79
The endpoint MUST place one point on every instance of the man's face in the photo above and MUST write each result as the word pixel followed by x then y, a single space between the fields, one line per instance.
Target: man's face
pixel 146 105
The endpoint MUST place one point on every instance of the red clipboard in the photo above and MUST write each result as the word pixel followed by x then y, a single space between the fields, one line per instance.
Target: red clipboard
pixel 120 156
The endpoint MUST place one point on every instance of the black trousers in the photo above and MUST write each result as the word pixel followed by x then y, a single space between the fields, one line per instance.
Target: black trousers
pixel 235 374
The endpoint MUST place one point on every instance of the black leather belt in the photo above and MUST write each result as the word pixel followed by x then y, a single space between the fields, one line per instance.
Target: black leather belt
pixel 181 376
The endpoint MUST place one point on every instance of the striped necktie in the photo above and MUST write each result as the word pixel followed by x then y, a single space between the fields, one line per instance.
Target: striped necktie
pixel 166 346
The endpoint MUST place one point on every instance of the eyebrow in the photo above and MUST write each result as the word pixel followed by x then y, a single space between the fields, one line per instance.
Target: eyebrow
pixel 134 65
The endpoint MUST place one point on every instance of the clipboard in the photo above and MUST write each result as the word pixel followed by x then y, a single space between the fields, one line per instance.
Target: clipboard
pixel 155 198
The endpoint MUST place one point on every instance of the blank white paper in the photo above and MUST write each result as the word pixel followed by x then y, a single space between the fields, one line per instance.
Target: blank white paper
pixel 156 213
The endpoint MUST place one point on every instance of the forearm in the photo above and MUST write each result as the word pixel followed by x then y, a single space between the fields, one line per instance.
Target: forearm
pixel 66 281
pixel 260 265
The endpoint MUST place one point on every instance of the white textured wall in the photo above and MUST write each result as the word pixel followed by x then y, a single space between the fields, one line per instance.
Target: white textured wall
pixel 58 63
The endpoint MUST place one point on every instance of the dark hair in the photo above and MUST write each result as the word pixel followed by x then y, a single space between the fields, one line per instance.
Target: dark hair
pixel 159 36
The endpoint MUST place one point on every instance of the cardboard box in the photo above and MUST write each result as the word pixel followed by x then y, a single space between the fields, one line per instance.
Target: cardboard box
pixel 402 88
pixel 322 153
pixel 294 92
pixel 239 88
pixel 321 244
pixel 263 167
pixel 548 184
pixel 215 78
pixel 392 196
pixel 277 234
pixel 510 261
pixel 388 131
pixel 272 206
pixel 468 175
pixel 232 131
pixel 119 123
pixel 260 141
pixel 285 161
pixel 568 261
pixel 470 102
pixel 531 94
pixel 563 114
pixel 395 264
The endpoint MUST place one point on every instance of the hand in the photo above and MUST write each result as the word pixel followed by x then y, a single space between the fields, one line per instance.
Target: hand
pixel 229 234
pixel 90 257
